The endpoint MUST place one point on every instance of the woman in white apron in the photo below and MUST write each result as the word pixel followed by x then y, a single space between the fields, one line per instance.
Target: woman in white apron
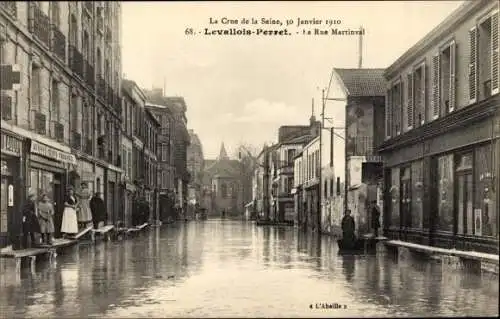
pixel 69 225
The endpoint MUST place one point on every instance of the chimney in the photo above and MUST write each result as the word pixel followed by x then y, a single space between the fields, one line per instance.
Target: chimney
pixel 313 124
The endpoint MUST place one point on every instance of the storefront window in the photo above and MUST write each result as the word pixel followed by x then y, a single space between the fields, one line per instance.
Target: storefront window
pixel 394 193
pixel 445 193
pixel 485 223
pixel 417 194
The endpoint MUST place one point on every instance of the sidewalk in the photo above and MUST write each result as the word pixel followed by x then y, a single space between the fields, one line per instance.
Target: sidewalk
pixel 489 262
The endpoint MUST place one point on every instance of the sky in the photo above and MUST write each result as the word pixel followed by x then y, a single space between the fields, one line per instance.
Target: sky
pixel 240 89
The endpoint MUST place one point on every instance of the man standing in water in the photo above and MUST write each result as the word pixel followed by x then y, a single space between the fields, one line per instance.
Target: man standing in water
pixel 348 227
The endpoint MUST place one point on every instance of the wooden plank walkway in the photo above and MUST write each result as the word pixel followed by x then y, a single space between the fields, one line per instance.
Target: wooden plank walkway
pixel 104 229
pixel 81 233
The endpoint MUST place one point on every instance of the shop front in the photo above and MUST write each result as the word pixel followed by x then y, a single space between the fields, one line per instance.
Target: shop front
pixel 11 187
pixel 444 192
pixel 47 174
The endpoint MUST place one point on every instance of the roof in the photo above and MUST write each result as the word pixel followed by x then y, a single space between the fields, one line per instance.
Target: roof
pixel 153 118
pixel 362 82
pixel 304 139
pixel 224 168
pixel 128 86
pixel 464 11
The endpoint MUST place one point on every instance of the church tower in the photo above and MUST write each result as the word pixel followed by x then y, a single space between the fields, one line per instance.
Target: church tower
pixel 223 154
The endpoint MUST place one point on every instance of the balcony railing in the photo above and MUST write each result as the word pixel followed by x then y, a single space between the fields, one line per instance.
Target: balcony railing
pixel 76 140
pixel 58 43
pixel 359 146
pixel 76 60
pixel 40 24
pixel 58 131
pixel 6 102
pixel 10 7
pixel 89 146
pixel 39 122
pixel 89 74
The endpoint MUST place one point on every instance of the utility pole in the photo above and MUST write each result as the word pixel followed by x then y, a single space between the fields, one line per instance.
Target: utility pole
pixel 360 48
pixel 321 158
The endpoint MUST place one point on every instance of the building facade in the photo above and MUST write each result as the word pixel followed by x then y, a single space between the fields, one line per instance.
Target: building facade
pixel 223 175
pixel 195 163
pixel 364 93
pixel 62 125
pixel 174 140
pixel 152 128
pixel 307 195
pixel 442 135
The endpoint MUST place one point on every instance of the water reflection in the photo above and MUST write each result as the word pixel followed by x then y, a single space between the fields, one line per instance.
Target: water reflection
pixel 229 268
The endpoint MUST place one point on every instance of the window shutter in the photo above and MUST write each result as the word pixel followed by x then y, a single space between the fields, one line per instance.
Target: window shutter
pixel 388 112
pixel 495 78
pixel 409 106
pixel 472 65
pixel 452 76
pixel 400 107
pixel 435 87
pixel 423 88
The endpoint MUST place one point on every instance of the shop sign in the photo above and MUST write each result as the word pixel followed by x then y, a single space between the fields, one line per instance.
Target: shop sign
pixel 47 151
pixel 10 144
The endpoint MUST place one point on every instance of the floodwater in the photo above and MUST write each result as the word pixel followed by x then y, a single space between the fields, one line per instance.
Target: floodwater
pixel 222 268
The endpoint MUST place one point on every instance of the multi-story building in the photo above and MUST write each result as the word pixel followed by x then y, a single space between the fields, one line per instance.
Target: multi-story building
pixel 306 184
pixel 195 164
pixel 363 91
pixel 173 142
pixel 63 123
pixel 258 178
pixel 152 128
pixel 442 134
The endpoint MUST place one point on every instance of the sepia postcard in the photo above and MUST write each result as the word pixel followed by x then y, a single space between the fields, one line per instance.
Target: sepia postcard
pixel 249 159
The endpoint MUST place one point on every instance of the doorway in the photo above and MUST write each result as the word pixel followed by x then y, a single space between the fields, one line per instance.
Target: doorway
pixel 464 198
pixel 5 208
pixel 58 200
pixel 406 220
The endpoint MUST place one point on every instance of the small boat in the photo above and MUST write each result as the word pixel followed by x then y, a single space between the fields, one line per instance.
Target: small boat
pixel 358 246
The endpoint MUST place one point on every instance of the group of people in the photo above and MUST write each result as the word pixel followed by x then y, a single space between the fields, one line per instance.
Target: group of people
pixel 80 210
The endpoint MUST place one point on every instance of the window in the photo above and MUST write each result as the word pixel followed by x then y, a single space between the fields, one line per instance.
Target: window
pixel 418 94
pixel 290 154
pixel 325 191
pixel 445 193
pixel 55 13
pixel 396 105
pixel 74 113
pixel 417 193
pixel 36 94
pixel 223 190
pixel 484 59
pixel 86 50
pixel 331 187
pixel 124 160
pixel 55 100
pixel 73 31
pixel 86 114
pixel 98 67
pixel 289 185
pixel 485 201
pixel 129 164
pixel 164 152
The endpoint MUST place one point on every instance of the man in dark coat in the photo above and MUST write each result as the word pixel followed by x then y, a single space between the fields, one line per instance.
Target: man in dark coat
pixel 98 209
pixel 30 221
pixel 348 227
pixel 375 214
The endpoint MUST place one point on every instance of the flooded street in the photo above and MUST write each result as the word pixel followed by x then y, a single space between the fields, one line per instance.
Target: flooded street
pixel 221 268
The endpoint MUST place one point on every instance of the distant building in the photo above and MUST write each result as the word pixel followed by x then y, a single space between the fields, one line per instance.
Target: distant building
pixel 174 140
pixel 223 176
pixel 195 164
pixel 441 148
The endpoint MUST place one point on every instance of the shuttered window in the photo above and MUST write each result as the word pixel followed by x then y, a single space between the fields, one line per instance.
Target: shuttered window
pixel 435 102
pixel 388 114
pixel 495 76
pixel 472 65
pixel 409 100
pixel 452 88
